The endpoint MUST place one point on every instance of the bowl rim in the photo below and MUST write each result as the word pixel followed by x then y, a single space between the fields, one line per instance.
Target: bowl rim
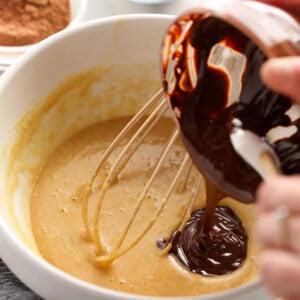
pixel 7 235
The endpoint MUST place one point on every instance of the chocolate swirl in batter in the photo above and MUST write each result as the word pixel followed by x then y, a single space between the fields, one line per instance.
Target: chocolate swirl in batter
pixel 205 119
pixel 219 251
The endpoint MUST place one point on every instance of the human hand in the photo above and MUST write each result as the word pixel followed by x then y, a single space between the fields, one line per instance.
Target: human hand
pixel 283 74
pixel 280 266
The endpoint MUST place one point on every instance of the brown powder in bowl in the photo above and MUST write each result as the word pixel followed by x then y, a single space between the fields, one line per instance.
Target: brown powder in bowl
pixel 24 22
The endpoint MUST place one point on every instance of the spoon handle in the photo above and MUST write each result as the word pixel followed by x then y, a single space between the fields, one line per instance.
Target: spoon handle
pixel 269 164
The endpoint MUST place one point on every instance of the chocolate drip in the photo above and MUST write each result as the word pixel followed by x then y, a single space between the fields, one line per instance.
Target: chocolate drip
pixel 214 242
pixel 221 251
pixel 206 116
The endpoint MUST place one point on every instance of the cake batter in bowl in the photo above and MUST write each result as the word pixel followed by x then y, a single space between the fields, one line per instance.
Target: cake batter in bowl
pixel 51 103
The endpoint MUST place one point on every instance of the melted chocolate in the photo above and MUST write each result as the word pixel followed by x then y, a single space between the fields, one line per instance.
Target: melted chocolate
pixel 214 242
pixel 206 116
pixel 220 251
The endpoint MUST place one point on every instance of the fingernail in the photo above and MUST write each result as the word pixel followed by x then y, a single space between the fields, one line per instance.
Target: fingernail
pixel 269 193
pixel 264 265
pixel 258 231
pixel 279 70
pixel 264 231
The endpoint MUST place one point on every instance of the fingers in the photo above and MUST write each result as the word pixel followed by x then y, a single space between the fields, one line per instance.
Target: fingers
pixel 280 266
pixel 283 75
pixel 281 272
pixel 269 232
pixel 282 190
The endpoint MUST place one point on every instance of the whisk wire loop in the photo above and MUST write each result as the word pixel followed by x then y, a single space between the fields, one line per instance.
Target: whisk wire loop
pixel 139 127
pixel 120 163
pixel 113 256
pixel 157 98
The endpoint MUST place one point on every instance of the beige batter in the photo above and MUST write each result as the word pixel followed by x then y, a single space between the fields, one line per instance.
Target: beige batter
pixel 58 227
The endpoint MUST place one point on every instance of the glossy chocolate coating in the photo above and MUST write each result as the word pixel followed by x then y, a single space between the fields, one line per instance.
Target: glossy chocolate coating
pixel 214 242
pixel 218 252
pixel 206 116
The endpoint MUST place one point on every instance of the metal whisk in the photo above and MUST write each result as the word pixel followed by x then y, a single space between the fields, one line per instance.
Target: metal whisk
pixel 153 111
pixel 177 48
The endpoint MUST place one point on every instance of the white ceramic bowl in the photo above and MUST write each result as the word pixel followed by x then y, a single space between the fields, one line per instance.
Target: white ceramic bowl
pixel 132 39
pixel 9 54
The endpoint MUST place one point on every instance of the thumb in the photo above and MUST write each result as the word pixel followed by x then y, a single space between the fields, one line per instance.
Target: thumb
pixel 283 75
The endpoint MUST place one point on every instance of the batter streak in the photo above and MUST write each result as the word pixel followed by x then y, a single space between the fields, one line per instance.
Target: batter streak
pixel 59 230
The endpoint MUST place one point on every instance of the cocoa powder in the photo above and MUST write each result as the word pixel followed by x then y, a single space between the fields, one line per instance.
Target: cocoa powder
pixel 24 22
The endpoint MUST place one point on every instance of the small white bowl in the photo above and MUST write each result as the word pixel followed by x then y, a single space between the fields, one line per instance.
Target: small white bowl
pixel 9 54
pixel 133 39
